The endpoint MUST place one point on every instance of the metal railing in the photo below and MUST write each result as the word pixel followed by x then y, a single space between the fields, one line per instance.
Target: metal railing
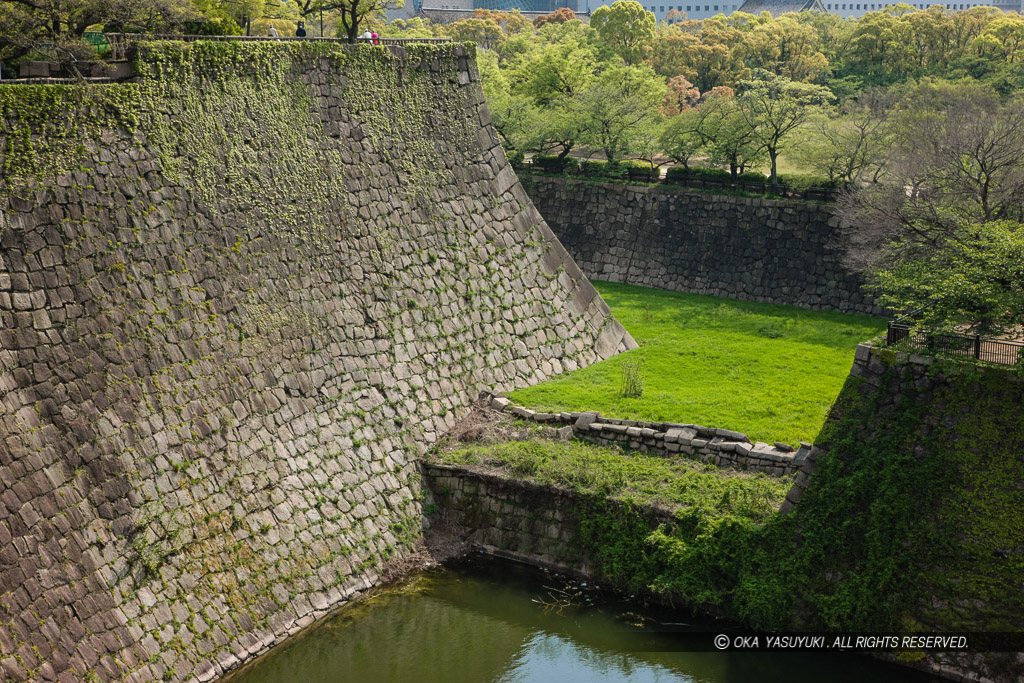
pixel 1001 351
pixel 644 175
pixel 120 42
pixel 819 194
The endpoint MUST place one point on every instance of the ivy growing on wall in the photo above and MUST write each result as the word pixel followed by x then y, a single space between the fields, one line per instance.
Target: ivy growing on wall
pixel 911 522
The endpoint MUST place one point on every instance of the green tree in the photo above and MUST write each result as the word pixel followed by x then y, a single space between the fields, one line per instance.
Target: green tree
pixel 957 159
pixel 851 142
pixel 625 26
pixel 486 33
pixel 59 24
pixel 710 57
pixel 972 282
pixel 728 137
pixel 680 139
pixel 1003 39
pixel 788 48
pixel 774 107
pixel 353 13
pixel 617 106
pixel 513 115
pixel 548 71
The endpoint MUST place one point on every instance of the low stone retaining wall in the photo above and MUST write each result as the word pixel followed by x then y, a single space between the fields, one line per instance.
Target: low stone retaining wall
pixel 718 446
pixel 521 520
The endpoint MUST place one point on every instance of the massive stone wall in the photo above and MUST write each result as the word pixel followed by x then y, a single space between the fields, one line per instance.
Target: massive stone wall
pixel 774 251
pixel 910 500
pixel 239 295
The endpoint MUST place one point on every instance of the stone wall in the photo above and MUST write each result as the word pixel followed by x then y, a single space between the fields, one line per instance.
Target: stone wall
pixel 720 447
pixel 517 519
pixel 921 458
pixel 239 296
pixel 773 251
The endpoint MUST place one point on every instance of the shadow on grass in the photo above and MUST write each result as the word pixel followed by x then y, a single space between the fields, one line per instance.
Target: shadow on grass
pixel 648 312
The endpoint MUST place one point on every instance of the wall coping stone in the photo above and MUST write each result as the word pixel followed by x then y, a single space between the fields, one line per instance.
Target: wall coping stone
pixel 722 447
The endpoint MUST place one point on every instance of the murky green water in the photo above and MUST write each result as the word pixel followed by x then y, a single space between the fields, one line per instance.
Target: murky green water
pixel 488 621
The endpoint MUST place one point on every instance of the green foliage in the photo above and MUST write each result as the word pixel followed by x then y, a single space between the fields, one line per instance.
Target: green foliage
pixel 775 107
pixel 699 172
pixel 974 283
pixel 754 177
pixel 707 361
pixel 549 91
pixel 609 473
pixel 677 171
pixel 910 522
pixel 49 127
pixel 694 556
pixel 632 384
pixel 903 521
pixel 625 26
pixel 553 164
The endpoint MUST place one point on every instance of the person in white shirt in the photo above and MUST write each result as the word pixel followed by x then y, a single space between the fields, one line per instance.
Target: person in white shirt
pixel 272 32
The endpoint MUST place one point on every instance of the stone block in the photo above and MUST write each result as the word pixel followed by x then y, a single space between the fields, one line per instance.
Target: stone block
pixel 585 420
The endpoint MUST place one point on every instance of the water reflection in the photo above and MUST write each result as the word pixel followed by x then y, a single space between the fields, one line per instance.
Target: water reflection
pixel 484 621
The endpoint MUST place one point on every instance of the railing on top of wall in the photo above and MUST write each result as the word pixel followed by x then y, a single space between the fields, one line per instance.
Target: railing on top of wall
pixel 1001 351
pixel 120 42
pixel 644 175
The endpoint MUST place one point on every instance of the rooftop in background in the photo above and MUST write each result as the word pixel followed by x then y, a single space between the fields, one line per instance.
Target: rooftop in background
pixel 779 7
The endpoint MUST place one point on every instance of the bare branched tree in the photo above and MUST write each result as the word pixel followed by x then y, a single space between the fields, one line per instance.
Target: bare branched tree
pixel 957 159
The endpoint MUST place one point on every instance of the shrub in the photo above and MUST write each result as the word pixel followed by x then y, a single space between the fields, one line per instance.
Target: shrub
pixel 710 173
pixel 752 177
pixel 602 169
pixel 632 384
pixel 699 172
pixel 549 163
pixel 677 172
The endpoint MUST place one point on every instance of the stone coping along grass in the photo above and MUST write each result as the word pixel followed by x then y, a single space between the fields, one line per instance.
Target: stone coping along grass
pixel 769 371
pixel 673 483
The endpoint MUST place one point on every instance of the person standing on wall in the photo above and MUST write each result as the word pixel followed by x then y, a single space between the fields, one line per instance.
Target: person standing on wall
pixel 300 32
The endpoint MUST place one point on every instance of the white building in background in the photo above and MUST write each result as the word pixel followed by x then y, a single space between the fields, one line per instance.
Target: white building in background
pixel 447 11
pixel 856 9
pixel 777 7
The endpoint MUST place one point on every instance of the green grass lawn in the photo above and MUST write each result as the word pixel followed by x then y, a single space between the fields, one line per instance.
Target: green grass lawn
pixel 771 372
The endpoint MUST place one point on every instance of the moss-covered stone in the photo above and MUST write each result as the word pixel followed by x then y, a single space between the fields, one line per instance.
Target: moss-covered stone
pixel 239 295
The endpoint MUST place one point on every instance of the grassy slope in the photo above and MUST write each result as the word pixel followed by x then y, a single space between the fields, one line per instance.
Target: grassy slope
pixel 768 371
pixel 608 472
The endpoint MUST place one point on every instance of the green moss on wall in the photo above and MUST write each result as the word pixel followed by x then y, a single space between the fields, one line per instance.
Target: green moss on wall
pixel 911 522
pixel 52 129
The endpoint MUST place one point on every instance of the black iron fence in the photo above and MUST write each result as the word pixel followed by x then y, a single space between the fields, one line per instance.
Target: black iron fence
pixel 1002 351
pixel 653 175
pixel 818 194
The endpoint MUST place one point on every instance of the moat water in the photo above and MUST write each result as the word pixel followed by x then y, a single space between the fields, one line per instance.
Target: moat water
pixel 483 620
